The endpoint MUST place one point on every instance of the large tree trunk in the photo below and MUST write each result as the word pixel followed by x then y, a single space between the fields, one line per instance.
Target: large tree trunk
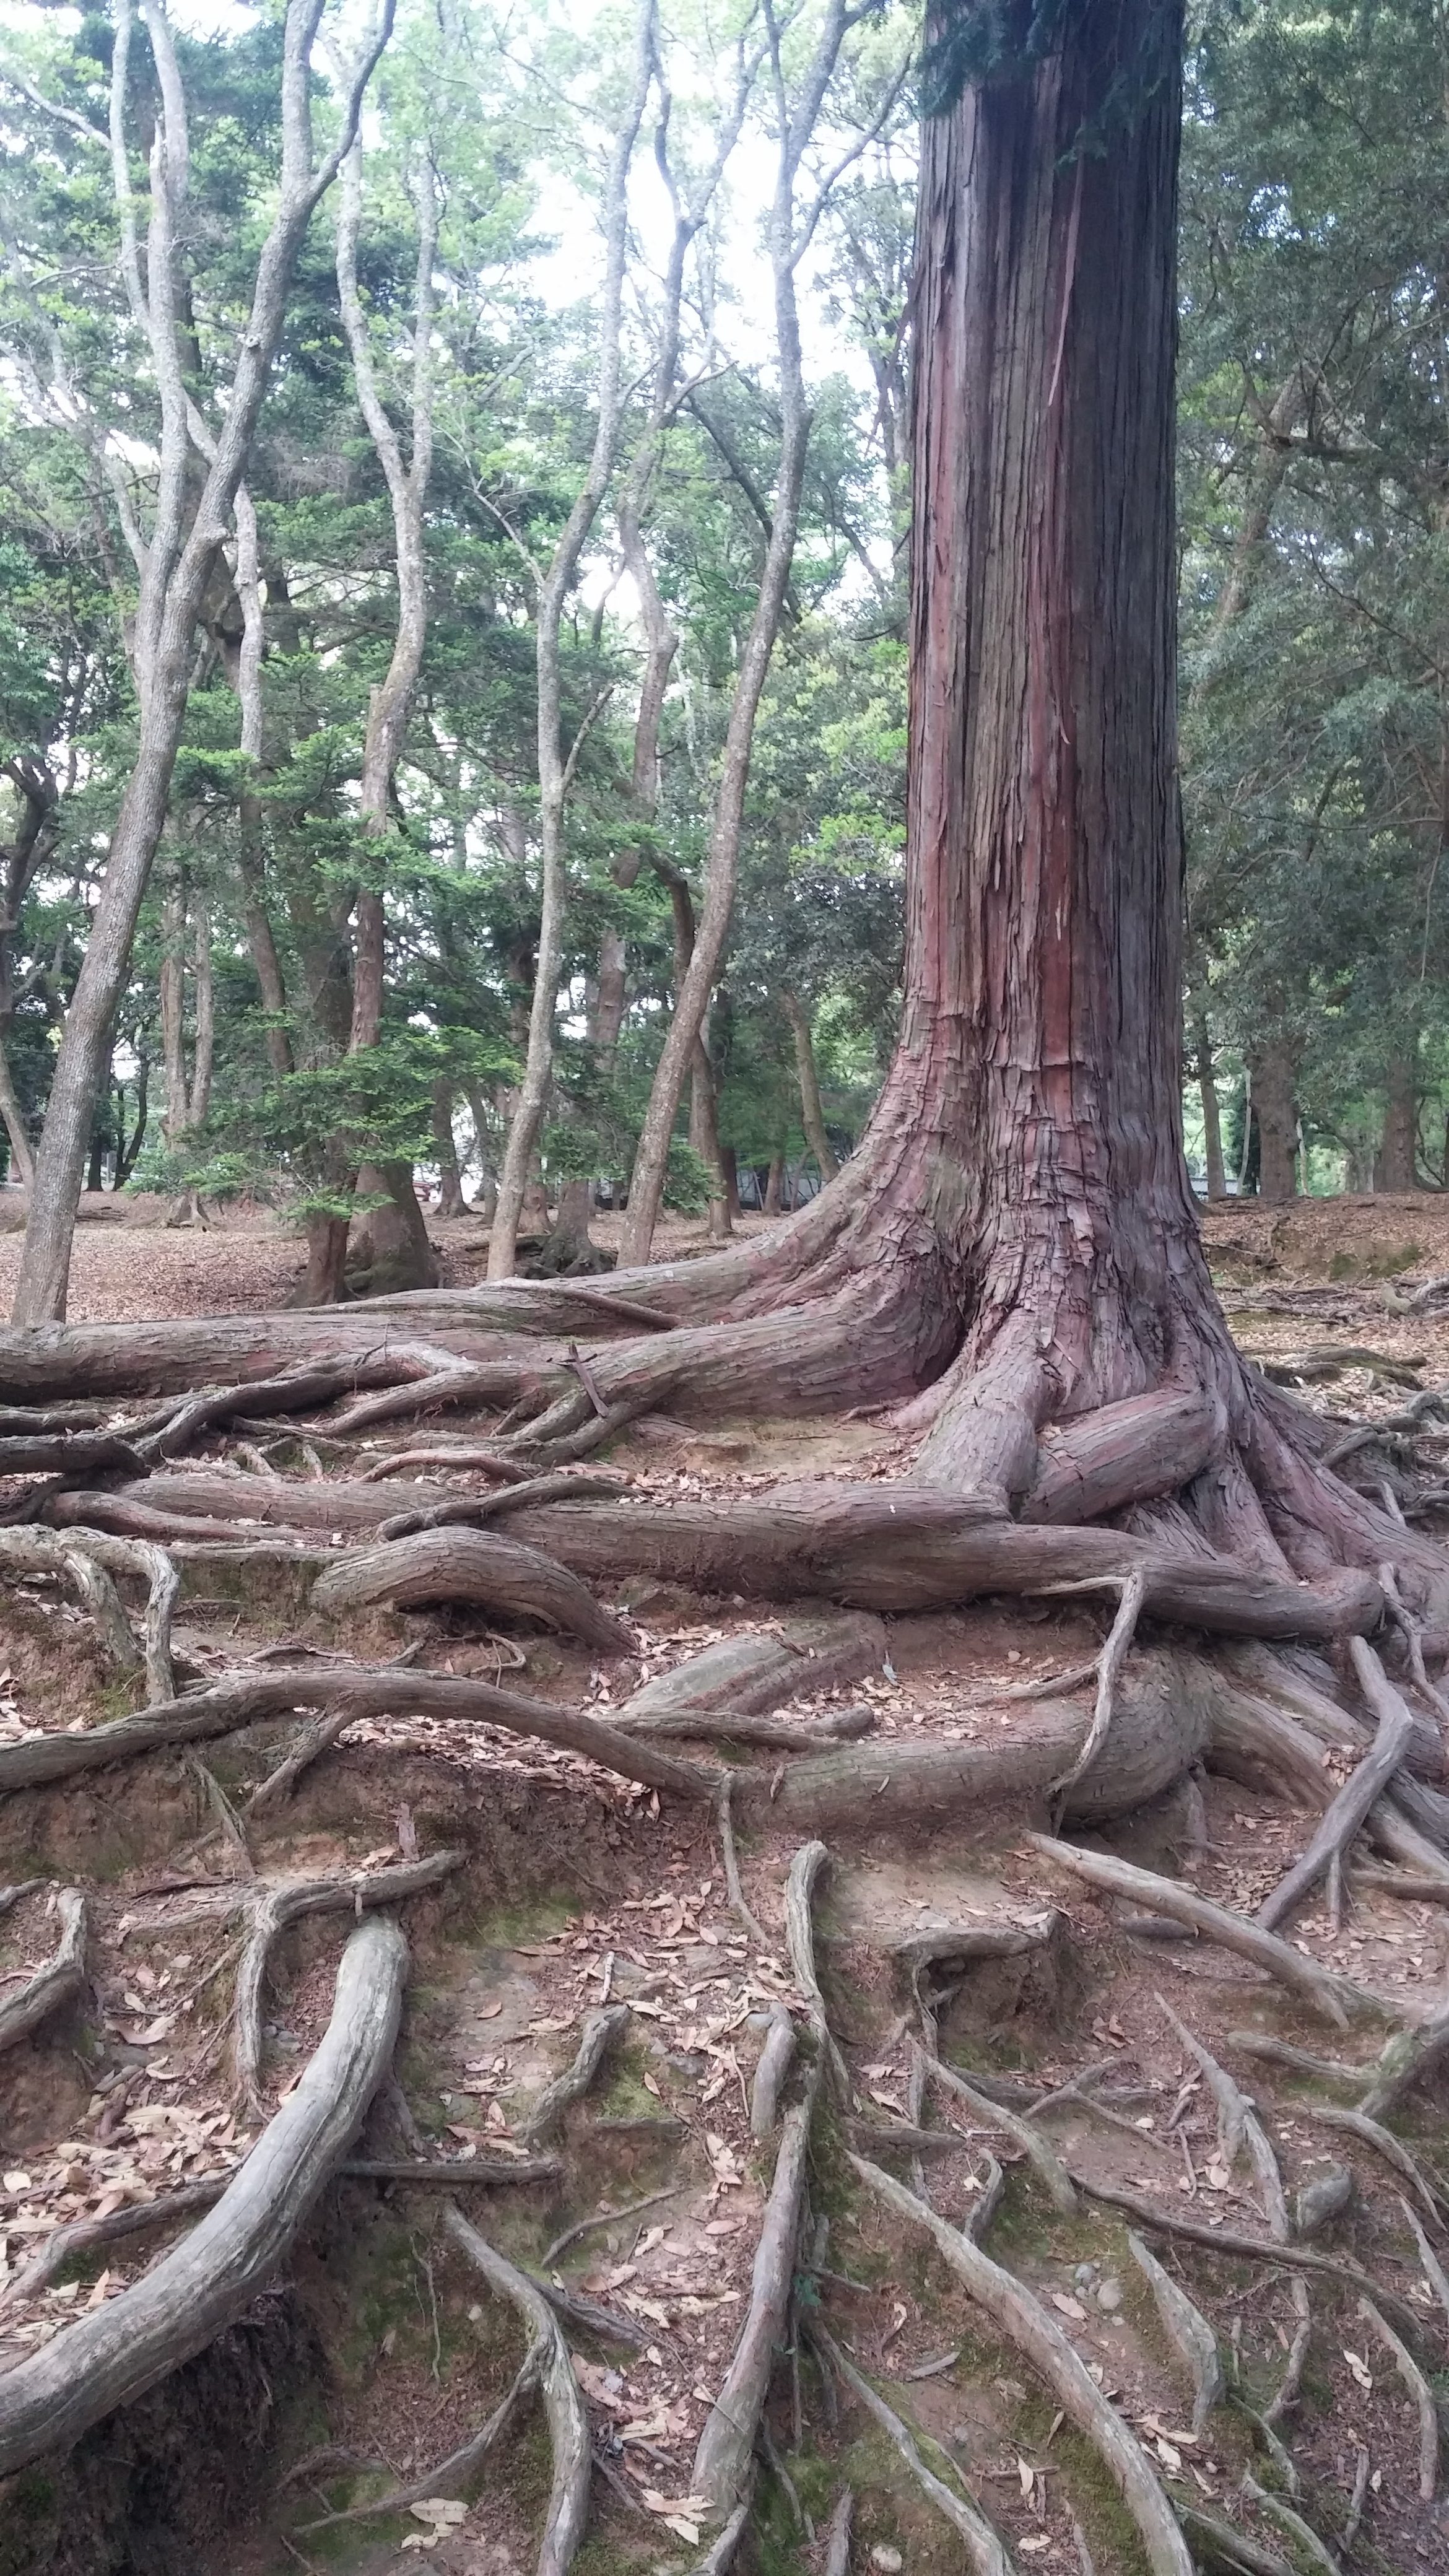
pixel 1034 1107
pixel 1276 1112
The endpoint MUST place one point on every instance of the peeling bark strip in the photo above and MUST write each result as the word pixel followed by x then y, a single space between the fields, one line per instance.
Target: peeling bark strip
pixel 117 2351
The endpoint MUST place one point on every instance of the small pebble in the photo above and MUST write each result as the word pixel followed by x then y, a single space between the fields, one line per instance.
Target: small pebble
pixel 1109 2297
pixel 1084 2275
pixel 888 2560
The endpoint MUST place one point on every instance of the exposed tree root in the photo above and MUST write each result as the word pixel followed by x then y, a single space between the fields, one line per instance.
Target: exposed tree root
pixel 1029 2328
pixel 1221 2545
pixel 457 2468
pixel 606 2218
pixel 1311 2550
pixel 1299 2061
pixel 1109 1668
pixel 467 1565
pixel 1357 2124
pixel 770 2073
pixel 1433 2270
pixel 568 2506
pixel 876 1547
pixel 395 1691
pixel 91 1558
pixel 1407 2058
pixel 458 1453
pixel 23 1887
pixel 1335 1997
pixel 116 2351
pixel 1350 1809
pixel 600 2030
pixel 472 1511
pixel 724 1821
pixel 1421 2393
pixel 748 1676
pixel 267 1907
pixel 93 2235
pixel 1050 2171
pixel 489 2173
pixel 804 1871
pixel 1187 2330
pixel 722 2459
pixel 60 1980
pixel 838 1726
pixel 1234 2240
pixel 985 2550
pixel 837 2534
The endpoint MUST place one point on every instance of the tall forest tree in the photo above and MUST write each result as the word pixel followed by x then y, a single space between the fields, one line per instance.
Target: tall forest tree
pixel 176 553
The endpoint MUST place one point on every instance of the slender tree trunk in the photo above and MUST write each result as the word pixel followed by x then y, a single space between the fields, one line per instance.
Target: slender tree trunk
pixel 1396 1172
pixel 35 785
pixel 10 1110
pixel 128 1155
pixel 178 567
pixel 812 1115
pixel 554 765
pixel 1212 1123
pixel 203 1050
pixel 391 1241
pixel 773 1180
pixel 444 1146
pixel 173 1007
pixel 704 1135
pixel 1277 1115
pixel 651 1159
pixel 251 832
pixel 1245 1154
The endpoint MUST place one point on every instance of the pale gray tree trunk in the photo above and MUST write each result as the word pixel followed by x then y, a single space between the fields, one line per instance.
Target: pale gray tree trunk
pixel 555 767
pixel 391 1239
pixel 178 558
pixel 788 241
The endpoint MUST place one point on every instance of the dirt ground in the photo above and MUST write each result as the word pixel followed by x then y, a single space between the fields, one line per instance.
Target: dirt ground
pixel 381 2352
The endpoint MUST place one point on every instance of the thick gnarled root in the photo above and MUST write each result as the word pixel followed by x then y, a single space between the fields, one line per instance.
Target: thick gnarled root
pixel 475 1566
pixel 115 2352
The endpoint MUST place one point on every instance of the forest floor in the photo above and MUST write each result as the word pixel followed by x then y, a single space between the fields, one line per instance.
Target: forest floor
pixel 382 2352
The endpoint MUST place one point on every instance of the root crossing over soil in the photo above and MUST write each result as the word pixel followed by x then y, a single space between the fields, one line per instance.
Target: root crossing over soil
pixel 117 2351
